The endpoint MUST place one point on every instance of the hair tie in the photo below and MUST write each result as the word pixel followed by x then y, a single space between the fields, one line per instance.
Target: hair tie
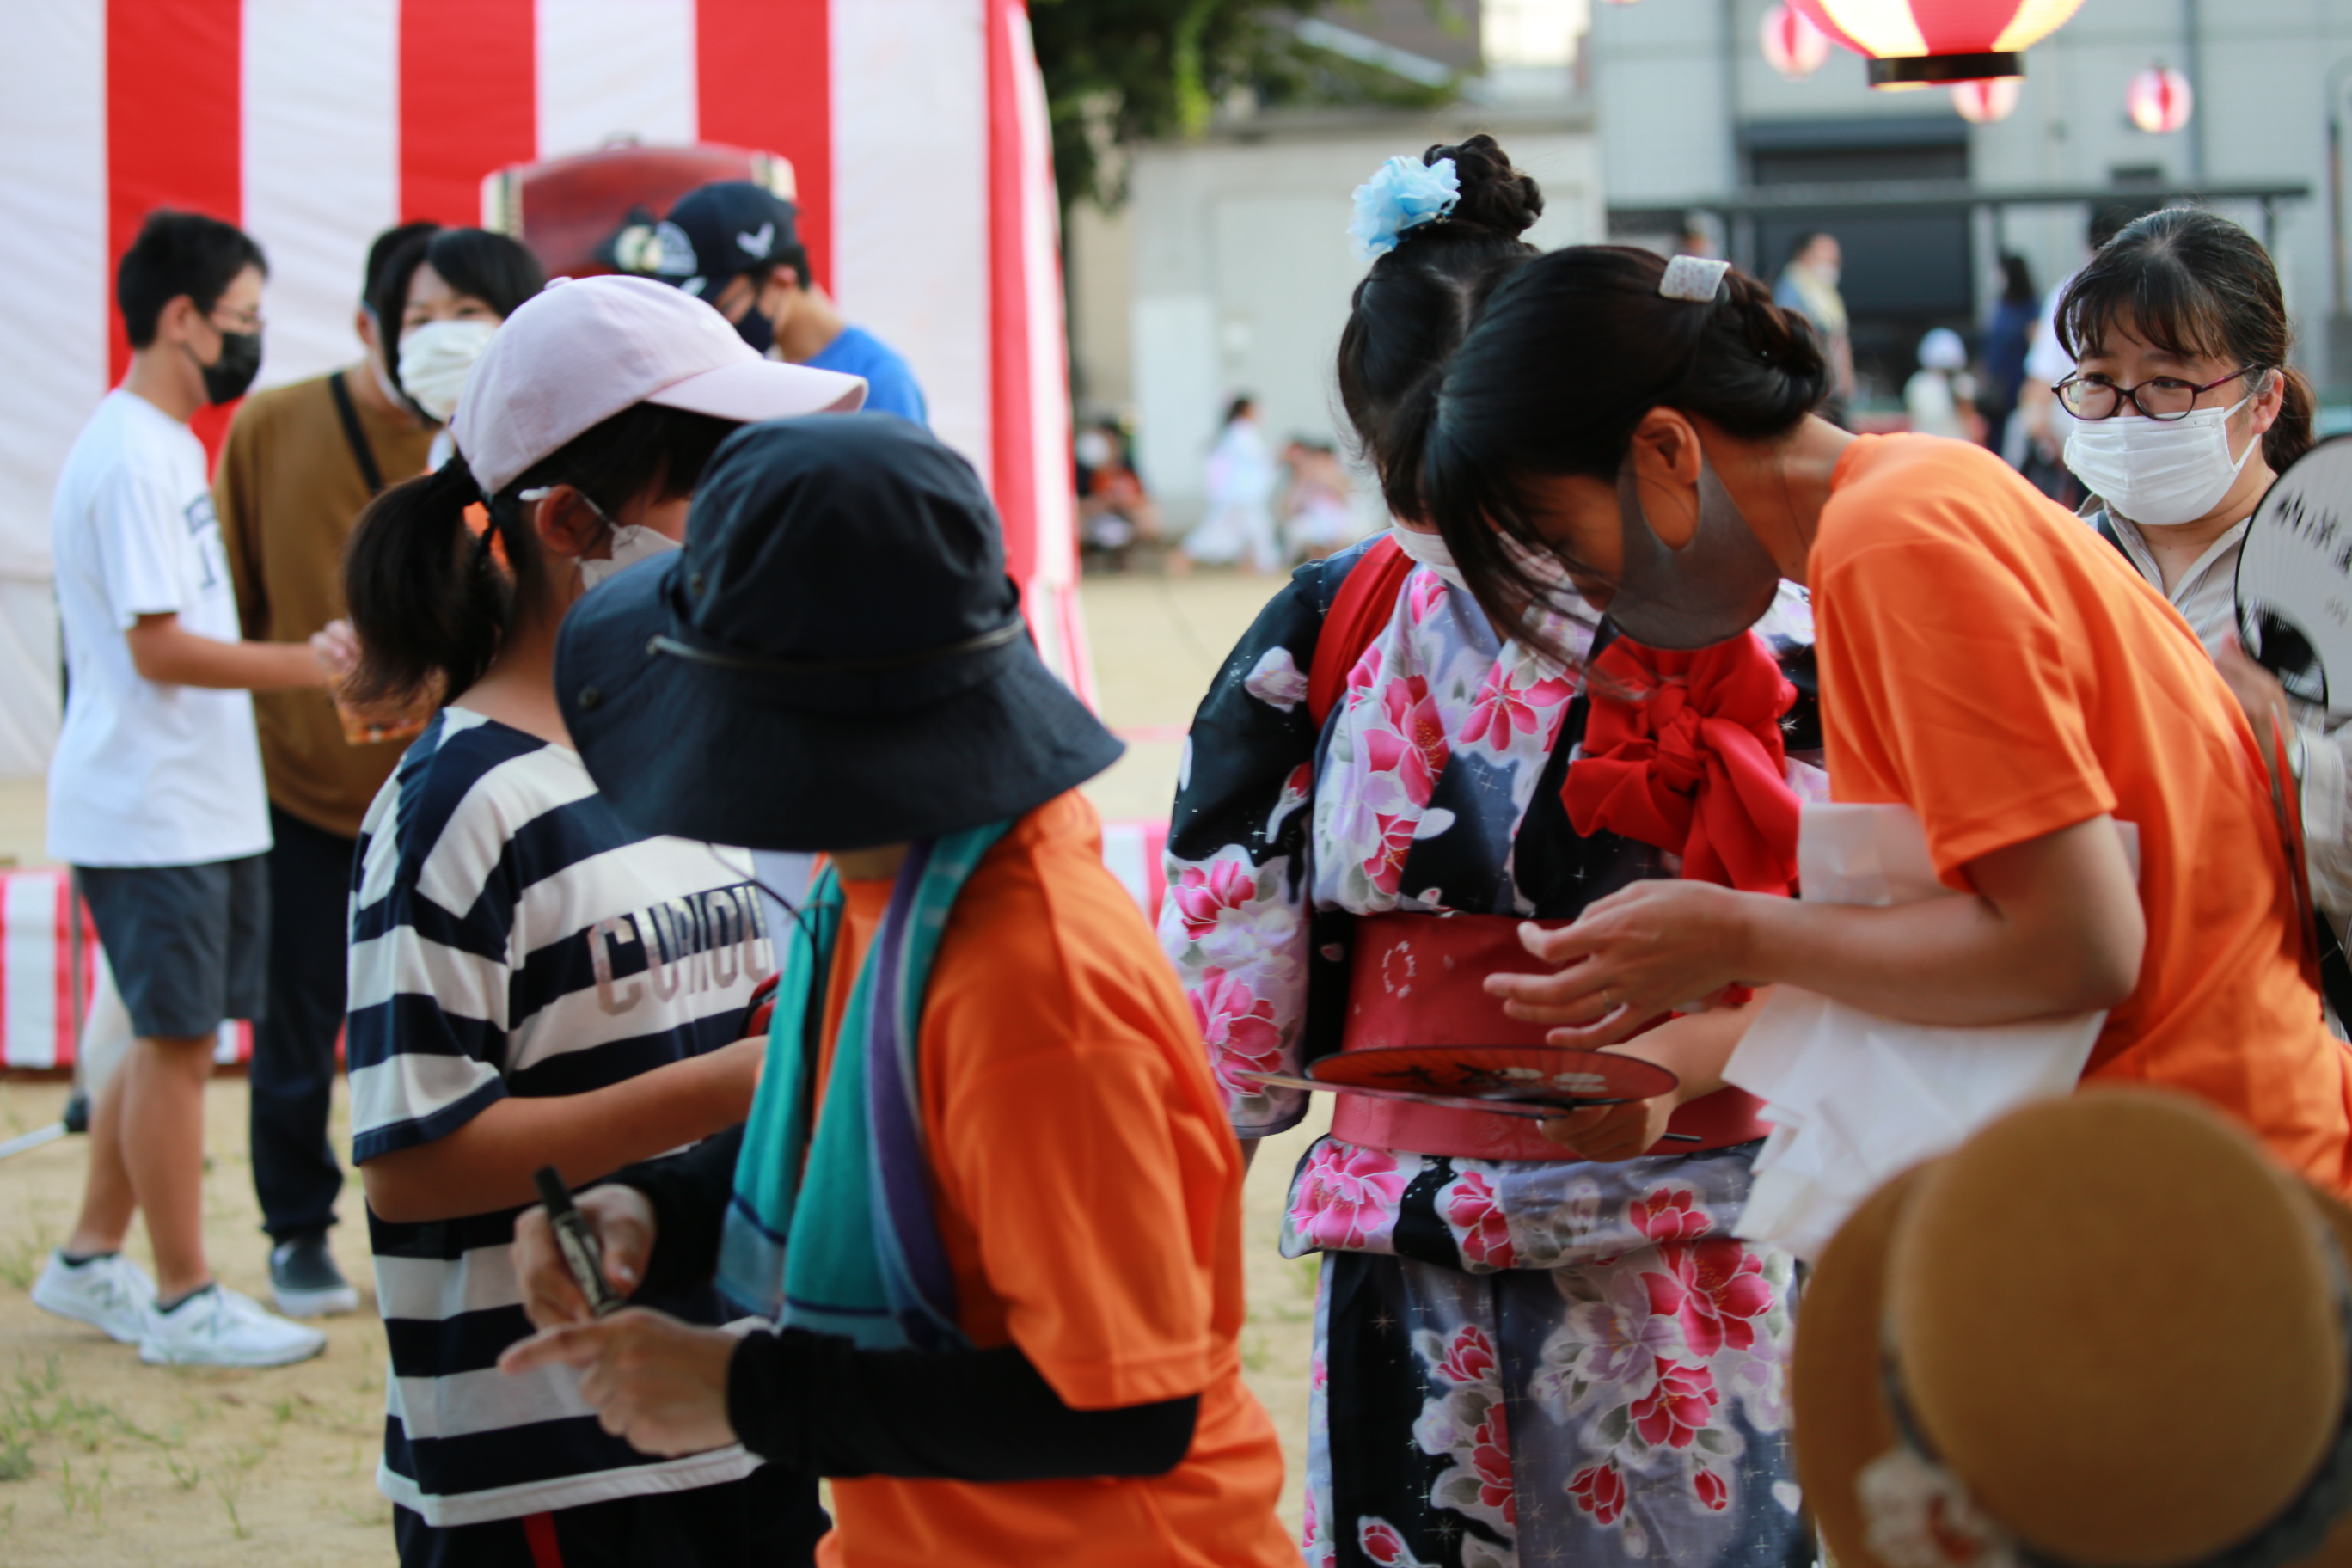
pixel 1693 278
pixel 1403 194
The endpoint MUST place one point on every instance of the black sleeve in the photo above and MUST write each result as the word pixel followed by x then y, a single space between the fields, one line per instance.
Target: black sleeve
pixel 817 1404
pixel 690 1193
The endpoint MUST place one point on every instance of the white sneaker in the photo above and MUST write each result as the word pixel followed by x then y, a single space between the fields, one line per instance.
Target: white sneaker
pixel 217 1327
pixel 109 1293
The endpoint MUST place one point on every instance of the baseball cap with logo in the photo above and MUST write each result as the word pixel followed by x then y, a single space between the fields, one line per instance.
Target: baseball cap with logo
pixel 727 227
pixel 571 357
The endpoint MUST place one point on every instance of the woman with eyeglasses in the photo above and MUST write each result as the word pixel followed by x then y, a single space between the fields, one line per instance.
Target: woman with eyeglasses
pixel 1982 661
pixel 2187 411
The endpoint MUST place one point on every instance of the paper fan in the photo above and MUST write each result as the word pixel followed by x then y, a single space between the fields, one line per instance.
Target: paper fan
pixel 1531 1081
pixel 2295 579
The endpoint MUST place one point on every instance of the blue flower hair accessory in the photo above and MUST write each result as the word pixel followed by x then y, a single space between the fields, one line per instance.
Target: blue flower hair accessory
pixel 1402 194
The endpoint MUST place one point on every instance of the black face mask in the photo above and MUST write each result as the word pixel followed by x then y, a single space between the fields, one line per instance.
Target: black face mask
pixel 226 378
pixel 1709 590
pixel 756 329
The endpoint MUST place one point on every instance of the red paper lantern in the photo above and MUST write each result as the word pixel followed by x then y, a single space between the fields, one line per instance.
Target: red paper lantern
pixel 1792 45
pixel 2160 100
pixel 1913 43
pixel 1982 102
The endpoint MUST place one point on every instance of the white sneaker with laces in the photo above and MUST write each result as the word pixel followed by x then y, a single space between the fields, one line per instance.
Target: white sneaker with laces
pixel 109 1293
pixel 217 1327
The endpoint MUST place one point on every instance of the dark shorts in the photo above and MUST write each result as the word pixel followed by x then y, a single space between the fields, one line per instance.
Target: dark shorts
pixel 771 1518
pixel 188 944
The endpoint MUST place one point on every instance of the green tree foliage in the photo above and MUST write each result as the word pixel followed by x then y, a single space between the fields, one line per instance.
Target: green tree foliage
pixel 1122 71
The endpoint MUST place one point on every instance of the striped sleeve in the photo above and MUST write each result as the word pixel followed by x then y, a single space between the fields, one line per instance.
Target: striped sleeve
pixel 431 965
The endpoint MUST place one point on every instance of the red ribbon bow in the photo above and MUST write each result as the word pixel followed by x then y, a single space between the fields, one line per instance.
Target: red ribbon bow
pixel 1683 750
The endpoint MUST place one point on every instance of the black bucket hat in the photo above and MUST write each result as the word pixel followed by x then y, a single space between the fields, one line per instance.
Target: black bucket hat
pixel 836 658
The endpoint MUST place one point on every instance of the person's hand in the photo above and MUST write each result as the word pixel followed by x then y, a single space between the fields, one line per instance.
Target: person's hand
pixel 336 649
pixel 658 1385
pixel 622 1221
pixel 1613 1133
pixel 1629 958
pixel 2257 690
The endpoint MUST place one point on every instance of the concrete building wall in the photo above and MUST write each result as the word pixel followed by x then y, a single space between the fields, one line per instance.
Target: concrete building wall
pixel 1237 271
pixel 1674 81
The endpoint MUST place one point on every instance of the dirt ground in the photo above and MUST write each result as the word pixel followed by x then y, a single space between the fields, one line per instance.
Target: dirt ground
pixel 106 1461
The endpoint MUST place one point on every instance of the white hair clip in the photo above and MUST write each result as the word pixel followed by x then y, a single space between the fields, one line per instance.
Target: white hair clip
pixel 1693 278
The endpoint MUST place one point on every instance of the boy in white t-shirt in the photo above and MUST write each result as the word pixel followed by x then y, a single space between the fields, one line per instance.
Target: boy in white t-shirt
pixel 155 793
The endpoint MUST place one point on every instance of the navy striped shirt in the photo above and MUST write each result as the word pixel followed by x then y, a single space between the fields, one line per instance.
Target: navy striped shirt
pixel 510 935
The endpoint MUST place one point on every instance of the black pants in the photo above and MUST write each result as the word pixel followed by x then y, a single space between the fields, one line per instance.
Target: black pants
pixel 769 1519
pixel 295 1173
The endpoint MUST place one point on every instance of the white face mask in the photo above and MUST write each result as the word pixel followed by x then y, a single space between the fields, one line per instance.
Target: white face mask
pixel 436 358
pixel 632 543
pixel 1428 550
pixel 2157 471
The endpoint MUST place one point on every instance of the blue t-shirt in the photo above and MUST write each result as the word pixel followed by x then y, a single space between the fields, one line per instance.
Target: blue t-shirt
pixel 889 385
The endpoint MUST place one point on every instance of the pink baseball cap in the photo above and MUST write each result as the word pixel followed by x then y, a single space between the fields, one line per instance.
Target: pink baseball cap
pixel 585 348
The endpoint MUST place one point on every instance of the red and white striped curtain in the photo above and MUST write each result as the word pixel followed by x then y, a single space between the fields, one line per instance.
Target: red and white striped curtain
pixel 917 128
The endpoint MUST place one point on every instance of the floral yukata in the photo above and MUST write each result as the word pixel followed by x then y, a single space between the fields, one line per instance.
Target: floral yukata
pixel 1527 1363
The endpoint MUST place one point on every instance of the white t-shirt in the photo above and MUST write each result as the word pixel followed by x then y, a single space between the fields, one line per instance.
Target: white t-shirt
pixel 145 774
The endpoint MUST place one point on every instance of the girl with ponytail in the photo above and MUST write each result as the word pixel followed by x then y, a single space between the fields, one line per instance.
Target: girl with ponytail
pixel 1644 433
pixel 534 981
pixel 1384 751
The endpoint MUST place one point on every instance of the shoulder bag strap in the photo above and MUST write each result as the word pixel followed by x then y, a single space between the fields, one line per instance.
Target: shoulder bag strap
pixel 355 433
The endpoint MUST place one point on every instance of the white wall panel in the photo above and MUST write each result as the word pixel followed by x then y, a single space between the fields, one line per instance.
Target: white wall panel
pixel 911 197
pixel 614 67
pixel 53 311
pixel 322 168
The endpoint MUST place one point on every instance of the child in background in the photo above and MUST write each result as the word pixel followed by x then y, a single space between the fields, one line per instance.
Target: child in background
pixel 155 793
pixel 1941 394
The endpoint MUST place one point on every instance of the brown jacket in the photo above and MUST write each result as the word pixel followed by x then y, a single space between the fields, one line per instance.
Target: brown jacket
pixel 287 490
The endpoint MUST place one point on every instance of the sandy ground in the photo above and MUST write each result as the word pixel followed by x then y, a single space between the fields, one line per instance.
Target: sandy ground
pixel 105 1461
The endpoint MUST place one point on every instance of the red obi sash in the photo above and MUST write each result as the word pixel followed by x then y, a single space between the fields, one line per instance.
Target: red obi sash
pixel 1417 980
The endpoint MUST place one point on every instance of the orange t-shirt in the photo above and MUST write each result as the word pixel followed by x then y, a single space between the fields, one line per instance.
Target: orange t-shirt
pixel 1990 662
pixel 1088 1195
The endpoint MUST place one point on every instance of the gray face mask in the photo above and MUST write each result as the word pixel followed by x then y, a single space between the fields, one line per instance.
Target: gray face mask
pixel 1707 591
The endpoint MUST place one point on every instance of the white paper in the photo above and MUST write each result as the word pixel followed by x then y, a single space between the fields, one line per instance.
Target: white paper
pixel 1855 1097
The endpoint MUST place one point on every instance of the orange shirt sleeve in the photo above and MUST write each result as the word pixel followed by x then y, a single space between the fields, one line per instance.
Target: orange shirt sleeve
pixel 1947 687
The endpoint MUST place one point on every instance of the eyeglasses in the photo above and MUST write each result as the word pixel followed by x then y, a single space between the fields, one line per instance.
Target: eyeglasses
pixel 2159 397
pixel 248 322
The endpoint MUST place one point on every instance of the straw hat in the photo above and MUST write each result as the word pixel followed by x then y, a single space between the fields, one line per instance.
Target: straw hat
pixel 2118 1332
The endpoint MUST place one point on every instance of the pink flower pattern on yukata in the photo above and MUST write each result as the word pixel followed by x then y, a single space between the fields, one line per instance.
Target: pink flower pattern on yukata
pixel 1470 1358
pixel 1480 1229
pixel 1669 1213
pixel 1710 1491
pixel 1315 1542
pixel 1715 1288
pixel 1519 700
pixel 1239 1028
pixel 1384 1543
pixel 1424 591
pixel 1201 893
pixel 1463 1419
pixel 1600 1491
pixel 1679 1405
pixel 1347 1198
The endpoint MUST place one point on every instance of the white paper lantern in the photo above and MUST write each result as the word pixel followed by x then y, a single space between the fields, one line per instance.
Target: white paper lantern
pixel 1982 102
pixel 2160 100
pixel 1792 45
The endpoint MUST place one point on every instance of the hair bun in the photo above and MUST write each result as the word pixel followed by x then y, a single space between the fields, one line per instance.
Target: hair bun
pixel 1495 195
